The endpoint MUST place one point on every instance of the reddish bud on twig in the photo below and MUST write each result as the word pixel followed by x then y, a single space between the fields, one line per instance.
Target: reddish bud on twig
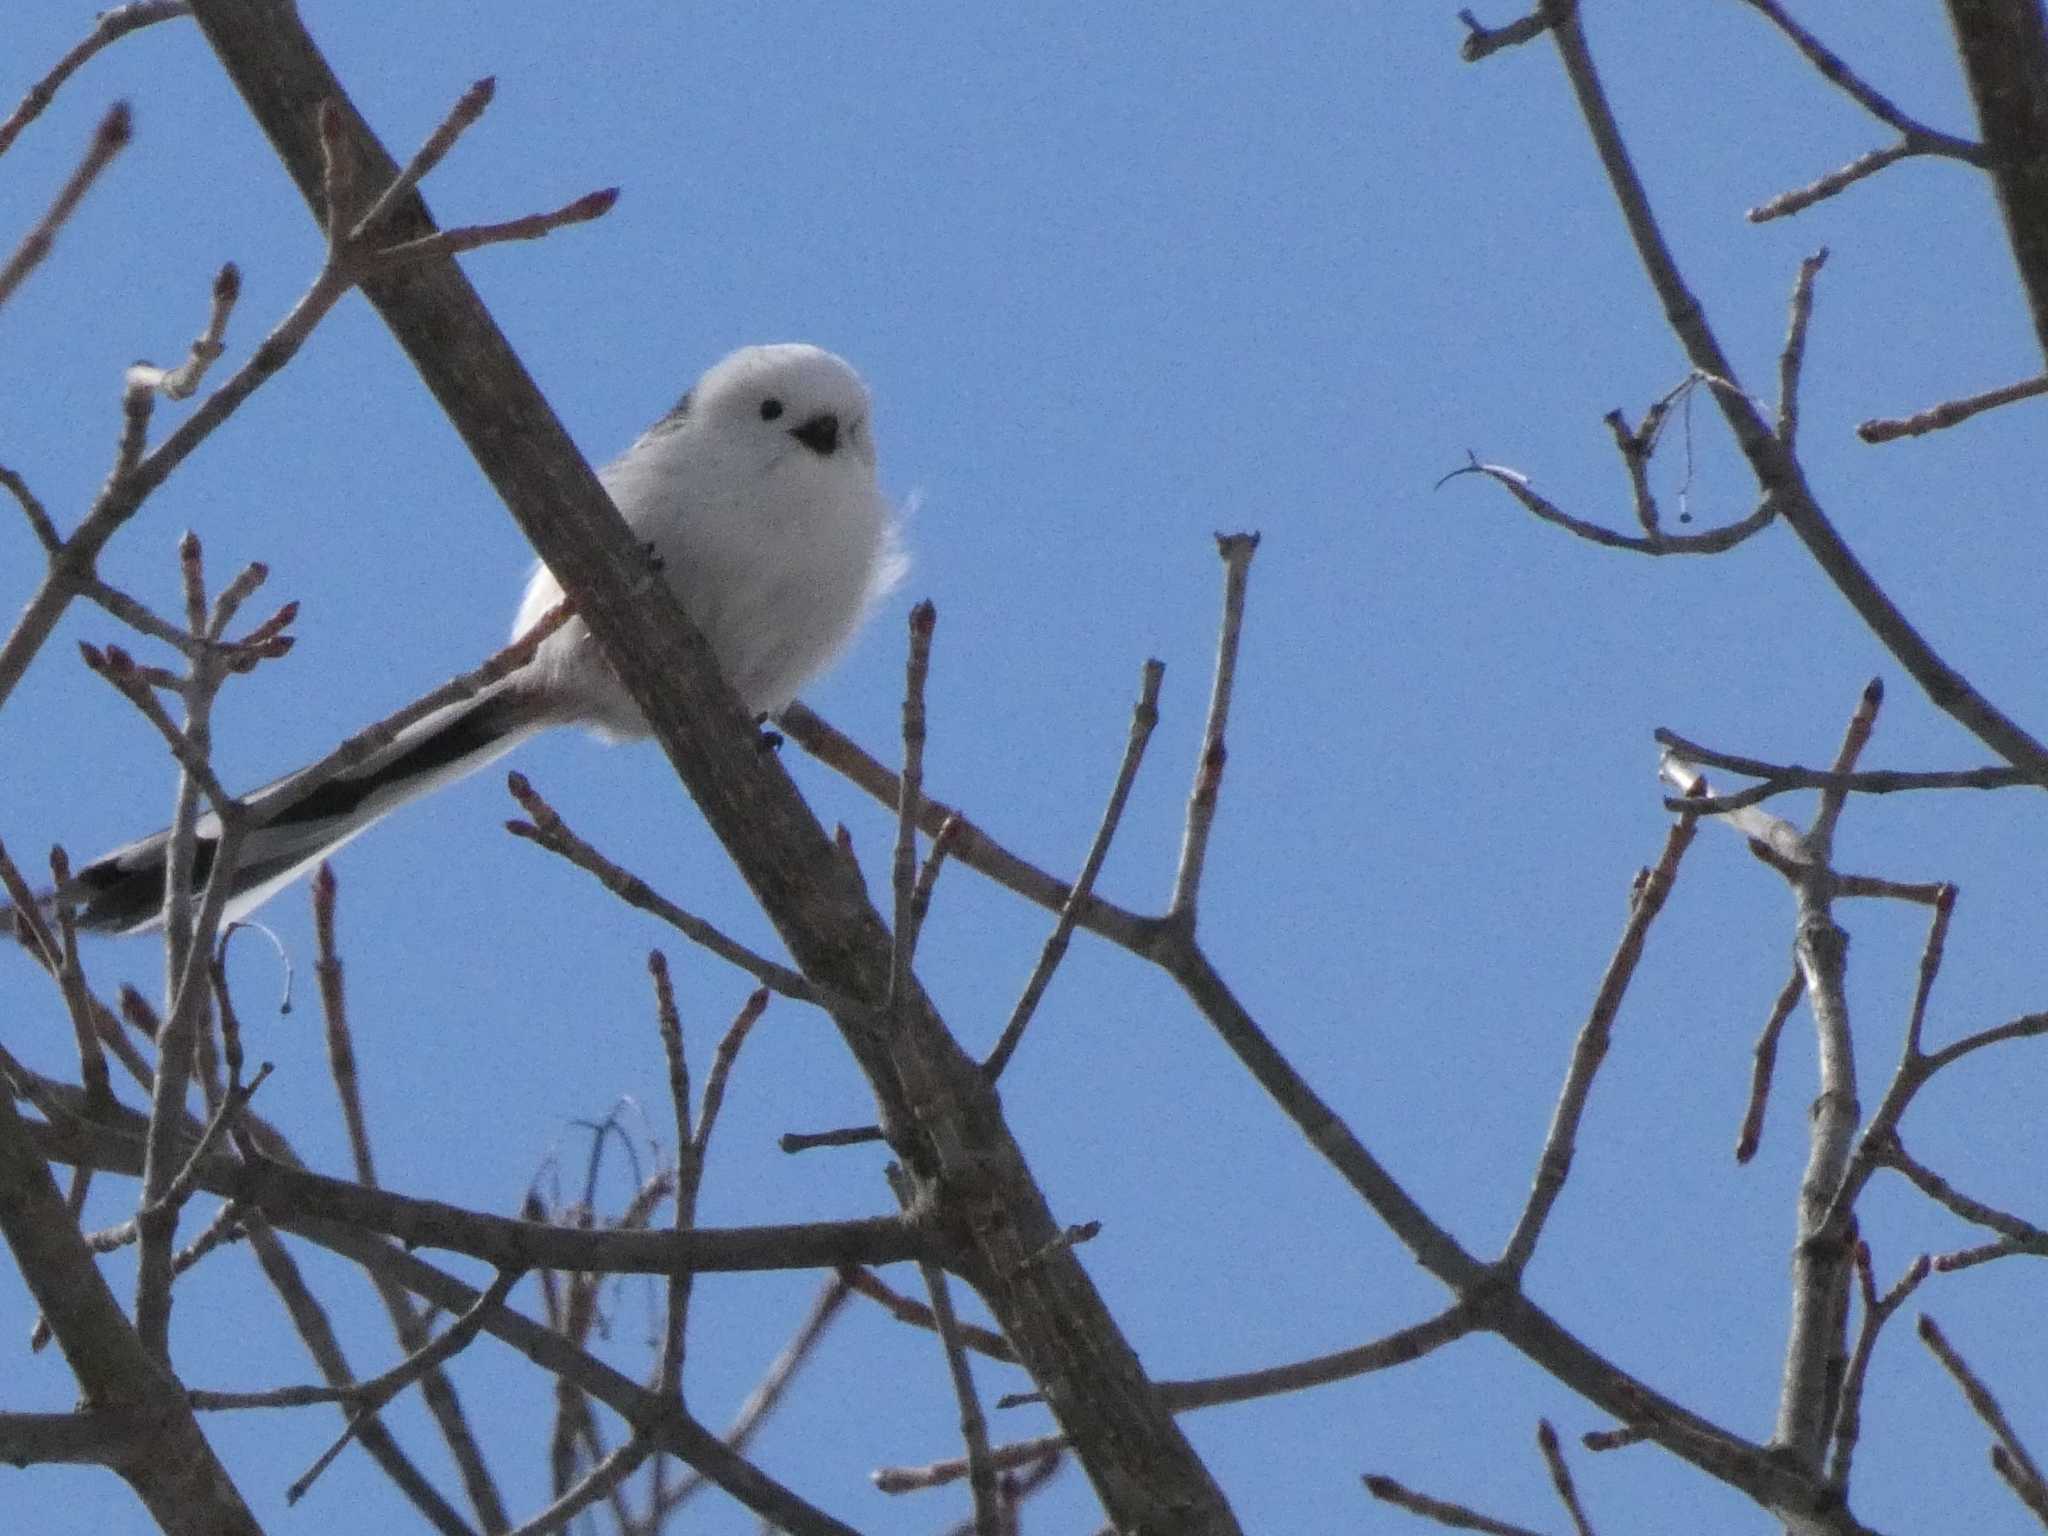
pixel 591 205
pixel 116 128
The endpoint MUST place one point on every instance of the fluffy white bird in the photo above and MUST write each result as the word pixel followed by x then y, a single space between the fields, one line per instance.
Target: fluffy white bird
pixel 757 498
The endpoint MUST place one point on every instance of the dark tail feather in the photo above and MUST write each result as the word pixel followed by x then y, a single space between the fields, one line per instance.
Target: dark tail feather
pixel 123 892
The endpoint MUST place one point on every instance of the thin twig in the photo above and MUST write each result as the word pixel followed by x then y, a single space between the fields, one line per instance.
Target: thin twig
pixel 928 873
pixel 668 1376
pixel 78 999
pixel 1457 1516
pixel 722 1059
pixel 1876 103
pixel 1713 541
pixel 138 406
pixel 1019 1453
pixel 1144 717
pixel 341 1051
pixel 2030 1491
pixel 1821 188
pixel 186 1182
pixel 108 27
pixel 471 237
pixel 981 1474
pixel 1765 1060
pixel 437 1391
pixel 1400 1347
pixel 27 916
pixel 907 1310
pixel 2019 1236
pixel 1980 1398
pixel 119 668
pixel 1384 1353
pixel 265 642
pixel 1017 1485
pixel 1638 445
pixel 1793 358
pixel 1877 1311
pixel 226 1227
pixel 549 831
pixel 375 1394
pixel 1879 1145
pixel 32 508
pixel 810 1141
pixel 108 140
pixel 181 382
pixel 924 618
pixel 2027 1026
pixel 973 846
pixel 1561 1476
pixel 1482 40
pixel 1782 778
pixel 1931 954
pixel 1634 446
pixel 1820 837
pixel 1935 418
pixel 602 1481
pixel 1613 1439
pixel 1591 1047
pixel 1237 550
pixel 469 106
pixel 1923 893
pixel 188 953
pixel 138 474
pixel 767 1395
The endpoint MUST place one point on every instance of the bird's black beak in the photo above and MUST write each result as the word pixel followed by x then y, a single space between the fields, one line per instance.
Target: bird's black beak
pixel 820 434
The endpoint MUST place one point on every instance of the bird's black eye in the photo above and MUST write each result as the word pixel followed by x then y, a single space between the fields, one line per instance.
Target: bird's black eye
pixel 770 408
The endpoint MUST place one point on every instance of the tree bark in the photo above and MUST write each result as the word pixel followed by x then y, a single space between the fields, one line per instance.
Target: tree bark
pixel 975 1193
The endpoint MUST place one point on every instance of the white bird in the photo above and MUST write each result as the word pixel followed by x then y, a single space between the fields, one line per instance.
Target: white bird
pixel 757 499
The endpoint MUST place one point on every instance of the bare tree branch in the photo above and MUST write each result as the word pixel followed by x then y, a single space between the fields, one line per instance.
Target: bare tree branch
pixel 1442 1511
pixel 1778 473
pixel 1645 902
pixel 108 140
pixel 1877 1311
pixel 2025 1473
pixel 1144 716
pixel 2004 49
pixel 1839 74
pixel 1950 412
pixel 173 1470
pixel 108 28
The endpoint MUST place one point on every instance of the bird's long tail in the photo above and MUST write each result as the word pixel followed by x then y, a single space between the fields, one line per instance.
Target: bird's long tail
pixel 294 824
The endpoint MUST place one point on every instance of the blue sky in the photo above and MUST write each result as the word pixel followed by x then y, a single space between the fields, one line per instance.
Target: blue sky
pixel 1117 280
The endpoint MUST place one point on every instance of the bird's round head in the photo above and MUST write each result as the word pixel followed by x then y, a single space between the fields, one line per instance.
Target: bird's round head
pixel 788 394
pixel 756 498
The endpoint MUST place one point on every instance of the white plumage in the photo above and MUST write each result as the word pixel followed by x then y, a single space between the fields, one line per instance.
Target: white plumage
pixel 775 546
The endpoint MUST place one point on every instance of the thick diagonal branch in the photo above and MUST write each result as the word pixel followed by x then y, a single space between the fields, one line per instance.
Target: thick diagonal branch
pixel 976 1191
pixel 2004 49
